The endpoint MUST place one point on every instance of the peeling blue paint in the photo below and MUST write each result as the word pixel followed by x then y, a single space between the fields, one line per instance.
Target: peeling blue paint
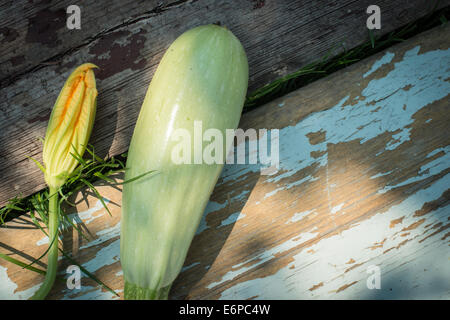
pixel 386 59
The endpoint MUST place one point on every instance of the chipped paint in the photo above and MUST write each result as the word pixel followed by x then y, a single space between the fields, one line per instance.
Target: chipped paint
pixel 189 266
pixel 386 59
pixel 417 79
pixel 427 170
pixel 103 236
pixel 87 216
pixel 104 257
pixel 8 288
pixel 300 216
pixel 119 273
pixel 118 51
pixel 337 208
pixel 379 113
pixel 328 262
pixel 90 293
pixel 263 257
pixel 214 206
pixel 381 174
pixel 232 218
pixel 438 150
pixel 289 186
pixel 398 139
pixel 43 241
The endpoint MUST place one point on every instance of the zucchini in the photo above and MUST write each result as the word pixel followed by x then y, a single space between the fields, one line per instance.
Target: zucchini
pixel 203 76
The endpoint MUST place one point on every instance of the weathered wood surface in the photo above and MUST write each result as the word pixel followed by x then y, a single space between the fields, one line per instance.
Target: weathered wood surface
pixel 126 39
pixel 364 181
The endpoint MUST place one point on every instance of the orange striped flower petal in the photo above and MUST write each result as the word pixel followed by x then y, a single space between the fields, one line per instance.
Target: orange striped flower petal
pixel 70 125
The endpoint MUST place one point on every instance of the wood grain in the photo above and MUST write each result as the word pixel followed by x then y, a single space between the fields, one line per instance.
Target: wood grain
pixel 363 182
pixel 127 39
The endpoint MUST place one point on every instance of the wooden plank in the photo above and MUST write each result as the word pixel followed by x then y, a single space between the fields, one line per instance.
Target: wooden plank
pixel 364 181
pixel 34 34
pixel 279 37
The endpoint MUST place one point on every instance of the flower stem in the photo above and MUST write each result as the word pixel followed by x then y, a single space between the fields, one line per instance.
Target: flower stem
pixel 52 264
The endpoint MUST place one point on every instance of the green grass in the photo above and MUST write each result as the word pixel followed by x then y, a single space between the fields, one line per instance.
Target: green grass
pixel 94 168
pixel 88 171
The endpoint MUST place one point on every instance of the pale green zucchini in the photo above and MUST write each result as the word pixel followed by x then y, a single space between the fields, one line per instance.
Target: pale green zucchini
pixel 202 76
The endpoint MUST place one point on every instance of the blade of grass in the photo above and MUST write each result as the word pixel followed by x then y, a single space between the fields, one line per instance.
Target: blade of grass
pixel 46 251
pixel 89 274
pixel 21 264
pixel 372 38
pixel 38 164
pixel 135 178
pixel 97 194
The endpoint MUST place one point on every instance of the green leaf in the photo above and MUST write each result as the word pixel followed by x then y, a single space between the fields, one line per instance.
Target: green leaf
pixel 92 153
pixel 39 165
pixel 46 251
pixel 25 266
pixel 13 207
pixel 135 178
pixel 21 264
pixel 97 194
pixel 372 38
pixel 77 156
pixel 90 275
pixel 103 177
pixel 36 223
